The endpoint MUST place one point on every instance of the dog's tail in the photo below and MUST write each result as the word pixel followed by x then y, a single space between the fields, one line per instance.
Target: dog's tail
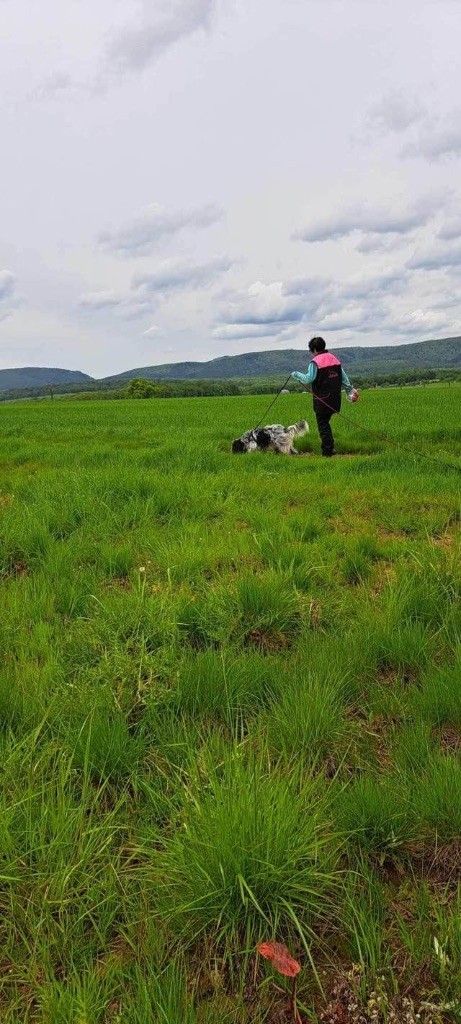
pixel 300 428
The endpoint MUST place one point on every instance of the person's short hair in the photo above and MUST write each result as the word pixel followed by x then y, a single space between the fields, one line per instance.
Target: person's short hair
pixel 317 345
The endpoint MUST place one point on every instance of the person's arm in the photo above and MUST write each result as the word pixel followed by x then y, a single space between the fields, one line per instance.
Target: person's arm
pixel 306 378
pixel 345 381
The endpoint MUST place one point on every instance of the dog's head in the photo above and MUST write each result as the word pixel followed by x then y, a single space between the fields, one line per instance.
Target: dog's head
pixel 238 446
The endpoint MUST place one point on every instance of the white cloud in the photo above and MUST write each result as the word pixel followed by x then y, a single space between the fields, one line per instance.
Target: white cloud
pixel 147 291
pixel 395 112
pixel 366 286
pixel 428 133
pixel 180 275
pixel 101 300
pixel 246 332
pixel 381 244
pixel 262 307
pixel 155 225
pixel 351 316
pixel 450 229
pixel 57 85
pixel 151 332
pixel 438 257
pixel 133 49
pixel 8 296
pixel 362 303
pixel 422 322
pixel 7 284
pixel 368 217
pixel 438 138
pixel 127 306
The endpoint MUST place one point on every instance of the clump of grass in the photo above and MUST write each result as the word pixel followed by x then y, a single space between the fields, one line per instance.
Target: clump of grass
pixel 62 842
pixel 11 701
pixel 429 593
pixel 225 687
pixel 204 621
pixel 104 746
pixel 358 559
pixel 413 750
pixel 308 720
pixel 438 701
pixel 255 854
pixel 268 607
pixel 118 561
pixel 79 998
pixel 437 798
pixel 159 996
pixel 375 814
pixel 397 647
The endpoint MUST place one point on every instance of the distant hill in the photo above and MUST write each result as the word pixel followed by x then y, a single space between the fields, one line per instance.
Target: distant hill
pixel 390 359
pixel 39 376
pixel 428 355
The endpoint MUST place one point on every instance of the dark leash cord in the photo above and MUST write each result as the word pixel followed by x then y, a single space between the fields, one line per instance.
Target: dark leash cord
pixel 367 430
pixel 263 417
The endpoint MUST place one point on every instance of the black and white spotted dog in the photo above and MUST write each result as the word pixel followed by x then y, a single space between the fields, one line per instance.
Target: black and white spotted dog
pixel 273 438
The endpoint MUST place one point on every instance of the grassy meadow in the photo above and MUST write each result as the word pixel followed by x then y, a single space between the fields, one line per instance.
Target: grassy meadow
pixel 230 711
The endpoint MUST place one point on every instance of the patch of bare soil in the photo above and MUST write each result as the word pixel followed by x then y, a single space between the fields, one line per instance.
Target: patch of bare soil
pixel 450 740
pixel 439 864
pixel 267 643
pixel 16 569
pixel 390 676
pixel 119 583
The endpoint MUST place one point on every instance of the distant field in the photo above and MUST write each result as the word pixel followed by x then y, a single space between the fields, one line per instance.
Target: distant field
pixel 230 711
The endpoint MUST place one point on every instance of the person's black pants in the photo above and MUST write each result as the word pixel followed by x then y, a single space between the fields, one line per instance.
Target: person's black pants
pixel 323 423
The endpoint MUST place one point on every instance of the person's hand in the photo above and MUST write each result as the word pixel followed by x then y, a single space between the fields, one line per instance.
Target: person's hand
pixel 295 374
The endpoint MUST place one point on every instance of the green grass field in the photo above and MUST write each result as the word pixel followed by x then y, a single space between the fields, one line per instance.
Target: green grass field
pixel 230 711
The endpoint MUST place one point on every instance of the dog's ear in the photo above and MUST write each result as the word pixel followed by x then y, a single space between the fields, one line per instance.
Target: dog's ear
pixel 263 438
pixel 238 446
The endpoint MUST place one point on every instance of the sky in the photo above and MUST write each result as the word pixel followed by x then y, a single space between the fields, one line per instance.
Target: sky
pixel 182 179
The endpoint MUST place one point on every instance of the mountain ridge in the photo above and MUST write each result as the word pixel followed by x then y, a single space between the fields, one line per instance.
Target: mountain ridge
pixel 40 376
pixel 432 354
pixel 415 355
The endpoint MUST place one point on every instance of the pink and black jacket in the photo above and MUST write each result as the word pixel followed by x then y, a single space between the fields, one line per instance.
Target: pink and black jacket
pixel 326 387
pixel 325 376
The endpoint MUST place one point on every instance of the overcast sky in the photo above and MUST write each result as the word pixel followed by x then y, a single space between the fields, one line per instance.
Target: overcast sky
pixel 191 178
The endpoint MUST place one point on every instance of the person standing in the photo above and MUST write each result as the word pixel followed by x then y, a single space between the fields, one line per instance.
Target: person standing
pixel 326 378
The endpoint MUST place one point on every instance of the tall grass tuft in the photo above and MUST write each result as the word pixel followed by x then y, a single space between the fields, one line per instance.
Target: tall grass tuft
pixel 439 699
pixel 225 687
pixel 308 721
pixel 158 996
pixel 255 856
pixel 437 797
pixel 375 813
pixel 104 746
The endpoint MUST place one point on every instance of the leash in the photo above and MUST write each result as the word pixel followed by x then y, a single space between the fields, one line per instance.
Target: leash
pixel 367 430
pixel 263 417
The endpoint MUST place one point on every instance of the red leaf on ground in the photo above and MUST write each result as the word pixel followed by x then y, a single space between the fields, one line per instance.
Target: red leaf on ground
pixel 280 958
